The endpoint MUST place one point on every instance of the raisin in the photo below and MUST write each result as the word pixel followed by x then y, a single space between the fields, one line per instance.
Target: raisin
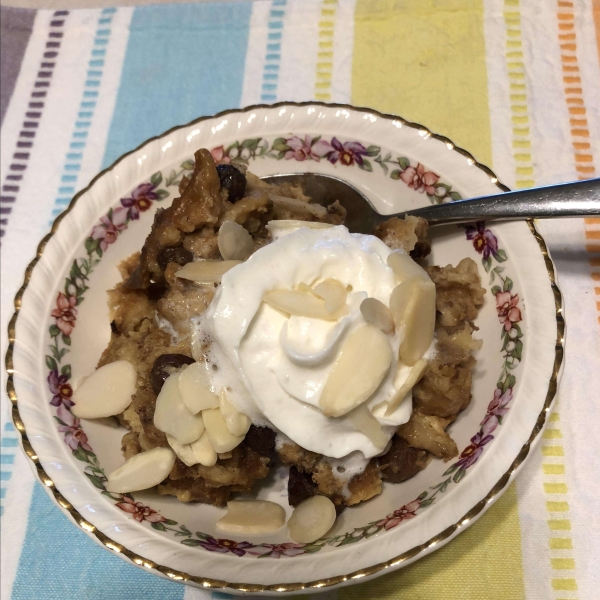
pixel 402 461
pixel 261 440
pixel 176 254
pixel 300 487
pixel 155 291
pixel 233 180
pixel 165 365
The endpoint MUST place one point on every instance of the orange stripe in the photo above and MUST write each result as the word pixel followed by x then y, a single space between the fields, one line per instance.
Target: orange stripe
pixel 574 100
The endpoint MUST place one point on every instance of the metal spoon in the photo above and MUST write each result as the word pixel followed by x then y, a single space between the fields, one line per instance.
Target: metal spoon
pixel 577 199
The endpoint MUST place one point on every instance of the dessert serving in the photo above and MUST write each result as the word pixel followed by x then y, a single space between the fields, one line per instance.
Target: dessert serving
pixel 253 329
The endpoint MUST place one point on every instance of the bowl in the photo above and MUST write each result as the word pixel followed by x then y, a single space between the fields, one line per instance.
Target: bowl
pixel 61 327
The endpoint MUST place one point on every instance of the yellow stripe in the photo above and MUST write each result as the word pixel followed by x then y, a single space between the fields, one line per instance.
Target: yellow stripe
pixel 561 544
pixel 562 563
pixel 555 488
pixel 325 68
pixel 557 506
pixel 559 524
pixel 553 451
pixel 564 584
pixel 552 434
pixel 427 64
pixel 552 469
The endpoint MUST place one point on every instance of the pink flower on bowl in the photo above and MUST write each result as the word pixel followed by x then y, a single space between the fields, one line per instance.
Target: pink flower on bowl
pixel 65 313
pixel 219 156
pixel 408 511
pixel 139 511
pixel 304 150
pixel 497 408
pixel 419 179
pixel 74 436
pixel 107 231
pixel 508 311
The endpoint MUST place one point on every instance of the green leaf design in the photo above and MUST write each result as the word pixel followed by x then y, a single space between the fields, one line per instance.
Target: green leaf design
pixel 231 147
pixel 315 140
pixel 459 475
pixel 395 174
pixel 487 263
pixel 191 542
pixel 79 454
pixel 508 284
pixel 251 144
pixel 427 502
pixel 383 166
pixel 279 145
pixel 91 245
pixel 403 162
pixel 54 330
pixel 422 496
pixel 158 526
pixel 51 363
pixel 518 351
pixel 366 165
pixel 495 290
pixel 188 165
pixel 169 522
pixel 156 178
pixel 66 339
pixel 450 470
pixel 66 371
pixel 373 150
pixel 162 194
pixel 500 256
pixel 349 539
pixel 455 196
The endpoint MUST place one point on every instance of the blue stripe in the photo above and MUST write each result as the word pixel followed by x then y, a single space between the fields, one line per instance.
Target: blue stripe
pixel 182 61
pixel 3 493
pixel 9 442
pixel 73 160
pixel 8 426
pixel 7 459
pixel 59 562
pixel 5 475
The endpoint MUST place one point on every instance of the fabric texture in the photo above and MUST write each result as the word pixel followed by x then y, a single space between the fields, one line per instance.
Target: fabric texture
pixel 516 82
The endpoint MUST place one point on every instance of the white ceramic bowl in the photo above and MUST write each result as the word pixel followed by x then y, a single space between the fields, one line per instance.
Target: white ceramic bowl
pixel 62 326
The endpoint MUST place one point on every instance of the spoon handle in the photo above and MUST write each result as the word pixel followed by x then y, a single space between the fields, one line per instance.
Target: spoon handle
pixel 576 199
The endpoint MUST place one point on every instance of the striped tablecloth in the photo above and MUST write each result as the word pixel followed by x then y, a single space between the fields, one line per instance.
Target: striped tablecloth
pixel 515 82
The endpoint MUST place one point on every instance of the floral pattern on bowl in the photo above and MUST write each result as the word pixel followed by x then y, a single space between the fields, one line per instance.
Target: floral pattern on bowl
pixel 348 154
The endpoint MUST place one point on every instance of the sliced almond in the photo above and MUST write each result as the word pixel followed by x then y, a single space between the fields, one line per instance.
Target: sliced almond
pixel 252 516
pixel 234 241
pixel 284 206
pixel 333 292
pixel 204 452
pixel 194 384
pixel 184 451
pixel 399 299
pixel 405 267
pixel 172 416
pixel 282 226
pixel 361 365
pixel 302 304
pixel 311 519
pixel 221 439
pixel 106 392
pixel 413 378
pixel 206 271
pixel 366 423
pixel 237 423
pixel 378 314
pixel 303 287
pixel 419 322
pixel 191 454
pixel 142 471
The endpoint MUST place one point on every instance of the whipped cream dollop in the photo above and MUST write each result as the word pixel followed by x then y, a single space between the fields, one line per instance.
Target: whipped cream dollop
pixel 274 366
